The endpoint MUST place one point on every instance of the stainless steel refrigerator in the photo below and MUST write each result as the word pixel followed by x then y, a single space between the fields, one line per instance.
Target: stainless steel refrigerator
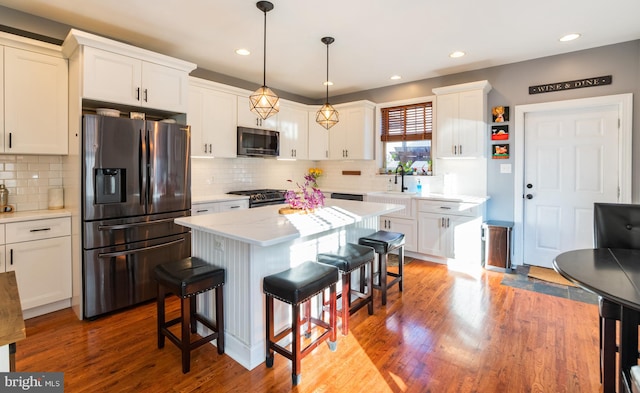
pixel 136 181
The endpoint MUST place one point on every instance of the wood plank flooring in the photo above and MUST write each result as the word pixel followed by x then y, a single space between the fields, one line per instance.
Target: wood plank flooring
pixel 449 331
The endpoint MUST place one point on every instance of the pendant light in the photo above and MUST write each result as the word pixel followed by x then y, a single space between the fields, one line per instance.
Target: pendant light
pixel 264 102
pixel 327 116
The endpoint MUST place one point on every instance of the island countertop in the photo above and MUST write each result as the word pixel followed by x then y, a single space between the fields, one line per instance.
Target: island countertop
pixel 264 226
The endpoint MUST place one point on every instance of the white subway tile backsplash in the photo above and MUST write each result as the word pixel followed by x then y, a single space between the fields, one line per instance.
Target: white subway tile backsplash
pixel 28 179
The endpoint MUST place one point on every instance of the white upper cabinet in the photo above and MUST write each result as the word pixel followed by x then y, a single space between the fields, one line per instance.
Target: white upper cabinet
pixel 111 77
pixel 293 124
pixel 35 103
pixel 461 127
pixel 246 118
pixel 352 137
pixel 113 72
pixel 212 116
pixel 318 138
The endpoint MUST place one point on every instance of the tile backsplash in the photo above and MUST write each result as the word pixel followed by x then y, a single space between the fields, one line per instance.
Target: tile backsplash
pixel 29 178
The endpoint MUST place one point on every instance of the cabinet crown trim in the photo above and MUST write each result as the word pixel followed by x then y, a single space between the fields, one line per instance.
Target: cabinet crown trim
pixel 77 38
pixel 479 85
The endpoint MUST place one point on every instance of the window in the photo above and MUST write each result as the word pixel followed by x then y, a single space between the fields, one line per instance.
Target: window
pixel 406 136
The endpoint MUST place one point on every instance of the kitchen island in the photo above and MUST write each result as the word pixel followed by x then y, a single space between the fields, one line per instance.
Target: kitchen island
pixel 253 243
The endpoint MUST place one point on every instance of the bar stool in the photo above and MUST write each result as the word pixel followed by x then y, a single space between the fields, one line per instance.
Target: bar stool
pixel 296 286
pixel 186 278
pixel 384 242
pixel 347 259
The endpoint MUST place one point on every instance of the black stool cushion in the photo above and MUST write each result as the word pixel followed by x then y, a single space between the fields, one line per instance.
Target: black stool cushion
pixel 189 276
pixel 608 309
pixel 383 241
pixel 348 257
pixel 297 284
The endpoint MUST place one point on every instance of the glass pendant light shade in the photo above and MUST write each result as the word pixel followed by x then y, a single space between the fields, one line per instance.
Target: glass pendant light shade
pixel 327 116
pixel 264 102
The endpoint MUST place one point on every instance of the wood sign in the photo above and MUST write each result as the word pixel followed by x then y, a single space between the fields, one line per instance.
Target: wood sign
pixel 577 84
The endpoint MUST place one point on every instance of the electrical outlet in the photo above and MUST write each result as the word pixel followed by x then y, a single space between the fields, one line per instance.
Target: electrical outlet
pixel 218 245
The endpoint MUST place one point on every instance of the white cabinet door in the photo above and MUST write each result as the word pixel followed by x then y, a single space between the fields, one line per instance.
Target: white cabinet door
pixel 472 129
pixel 35 103
pixel 352 137
pixel 2 126
pixel 402 225
pixel 246 118
pixel 212 117
pixel 164 88
pixel 318 139
pixel 111 77
pixel 293 124
pixel 43 270
pixel 433 236
pixel 461 128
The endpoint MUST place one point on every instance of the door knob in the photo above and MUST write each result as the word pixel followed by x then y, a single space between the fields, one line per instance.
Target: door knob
pixel 529 185
pixel 529 196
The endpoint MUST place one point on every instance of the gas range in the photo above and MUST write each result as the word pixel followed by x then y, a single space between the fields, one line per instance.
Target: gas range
pixel 262 197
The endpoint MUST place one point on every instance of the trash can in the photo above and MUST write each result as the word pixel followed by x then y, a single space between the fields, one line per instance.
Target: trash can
pixel 497 245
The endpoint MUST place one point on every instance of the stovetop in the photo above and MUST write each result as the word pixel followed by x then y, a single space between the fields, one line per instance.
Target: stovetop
pixel 261 196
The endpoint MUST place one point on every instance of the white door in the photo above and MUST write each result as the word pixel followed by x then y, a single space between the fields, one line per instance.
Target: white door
pixel 571 161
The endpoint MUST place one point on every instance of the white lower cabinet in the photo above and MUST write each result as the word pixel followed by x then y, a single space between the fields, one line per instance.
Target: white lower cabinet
pixel 39 251
pixel 450 230
pixel 402 225
pixel 217 207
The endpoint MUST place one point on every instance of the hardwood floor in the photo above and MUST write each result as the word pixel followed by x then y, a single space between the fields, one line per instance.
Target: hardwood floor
pixel 450 331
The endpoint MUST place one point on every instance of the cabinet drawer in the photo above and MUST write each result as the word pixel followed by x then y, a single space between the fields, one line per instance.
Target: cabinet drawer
pixel 37 229
pixel 233 205
pixel 447 207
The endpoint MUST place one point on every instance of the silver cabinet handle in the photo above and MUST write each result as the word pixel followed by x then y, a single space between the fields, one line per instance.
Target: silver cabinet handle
pixel 40 230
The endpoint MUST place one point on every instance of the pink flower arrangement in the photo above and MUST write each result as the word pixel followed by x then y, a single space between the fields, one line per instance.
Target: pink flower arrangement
pixel 309 197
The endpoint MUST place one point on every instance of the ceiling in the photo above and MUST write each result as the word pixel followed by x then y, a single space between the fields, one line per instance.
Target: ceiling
pixel 374 39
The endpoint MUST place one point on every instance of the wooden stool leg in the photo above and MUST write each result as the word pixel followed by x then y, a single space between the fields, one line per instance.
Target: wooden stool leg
pixel 186 337
pixel 270 329
pixel 220 318
pixel 401 266
pixel 333 317
pixel 369 286
pixel 192 312
pixel 296 343
pixel 346 302
pixel 383 277
pixel 161 316
pixel 608 355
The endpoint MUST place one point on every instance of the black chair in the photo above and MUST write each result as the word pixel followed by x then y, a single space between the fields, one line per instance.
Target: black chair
pixel 296 287
pixel 616 225
pixel 187 278
pixel 383 242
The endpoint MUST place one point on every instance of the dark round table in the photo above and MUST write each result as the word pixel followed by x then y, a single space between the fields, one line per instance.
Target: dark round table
pixel 613 274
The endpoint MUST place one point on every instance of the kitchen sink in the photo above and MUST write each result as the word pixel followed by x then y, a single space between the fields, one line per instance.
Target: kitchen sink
pixel 396 193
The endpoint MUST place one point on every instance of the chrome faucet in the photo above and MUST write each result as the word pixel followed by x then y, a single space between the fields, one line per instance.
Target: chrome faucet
pixel 402 187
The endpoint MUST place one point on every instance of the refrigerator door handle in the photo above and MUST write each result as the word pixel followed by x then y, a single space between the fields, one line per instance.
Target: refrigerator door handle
pixel 129 252
pixel 135 224
pixel 142 181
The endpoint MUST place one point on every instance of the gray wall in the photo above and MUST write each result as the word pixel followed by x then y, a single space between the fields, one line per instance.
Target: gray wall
pixel 510 88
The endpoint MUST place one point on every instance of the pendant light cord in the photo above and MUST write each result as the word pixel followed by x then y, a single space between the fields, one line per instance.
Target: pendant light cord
pixel 327 81
pixel 264 52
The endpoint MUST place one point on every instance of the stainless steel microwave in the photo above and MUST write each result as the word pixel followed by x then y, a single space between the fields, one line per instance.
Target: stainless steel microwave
pixel 254 142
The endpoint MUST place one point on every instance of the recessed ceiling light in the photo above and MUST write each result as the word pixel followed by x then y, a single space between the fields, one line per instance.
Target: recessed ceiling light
pixel 456 54
pixel 243 52
pixel 327 83
pixel 570 37
pixel 395 77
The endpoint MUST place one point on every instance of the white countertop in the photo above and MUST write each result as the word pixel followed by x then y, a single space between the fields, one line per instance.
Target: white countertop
pixel 216 198
pixel 264 226
pixel 29 215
